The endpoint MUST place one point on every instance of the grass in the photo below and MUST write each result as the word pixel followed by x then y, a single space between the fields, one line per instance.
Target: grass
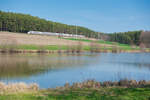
pixel 122 46
pixel 83 94
pixel 36 47
pixel 63 47
pixel 99 41
pixel 75 39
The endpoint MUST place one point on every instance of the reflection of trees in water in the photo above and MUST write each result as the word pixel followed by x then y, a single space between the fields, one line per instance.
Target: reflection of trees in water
pixel 140 65
pixel 137 60
pixel 13 67
pixel 135 64
pixel 24 66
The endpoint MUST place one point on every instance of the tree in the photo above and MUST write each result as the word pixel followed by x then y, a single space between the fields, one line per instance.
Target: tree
pixel 145 39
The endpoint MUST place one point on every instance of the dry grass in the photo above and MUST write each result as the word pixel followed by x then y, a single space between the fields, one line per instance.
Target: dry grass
pixel 26 39
pixel 10 42
pixel 17 87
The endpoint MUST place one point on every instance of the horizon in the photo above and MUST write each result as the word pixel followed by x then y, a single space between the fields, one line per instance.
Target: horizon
pixel 97 15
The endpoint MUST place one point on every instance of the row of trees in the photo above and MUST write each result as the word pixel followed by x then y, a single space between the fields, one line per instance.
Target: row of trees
pixel 17 22
pixel 131 37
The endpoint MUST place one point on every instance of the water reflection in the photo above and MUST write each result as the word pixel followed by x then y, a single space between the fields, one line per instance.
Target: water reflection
pixel 12 66
pixel 55 70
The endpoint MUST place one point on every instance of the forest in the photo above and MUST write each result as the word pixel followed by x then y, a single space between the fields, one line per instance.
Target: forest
pixel 22 23
pixel 130 37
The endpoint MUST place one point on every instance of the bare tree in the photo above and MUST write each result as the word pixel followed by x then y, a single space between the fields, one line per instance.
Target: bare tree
pixel 145 39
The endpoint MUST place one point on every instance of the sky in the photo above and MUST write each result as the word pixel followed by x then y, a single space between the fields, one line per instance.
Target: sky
pixel 100 15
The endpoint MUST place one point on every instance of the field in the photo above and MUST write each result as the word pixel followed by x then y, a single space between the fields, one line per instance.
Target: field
pixel 108 44
pixel 22 41
pixel 25 39
pixel 82 94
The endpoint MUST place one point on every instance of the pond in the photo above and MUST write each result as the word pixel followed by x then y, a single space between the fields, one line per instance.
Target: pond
pixel 52 70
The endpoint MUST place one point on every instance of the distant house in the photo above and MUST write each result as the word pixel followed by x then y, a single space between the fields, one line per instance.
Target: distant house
pixel 56 34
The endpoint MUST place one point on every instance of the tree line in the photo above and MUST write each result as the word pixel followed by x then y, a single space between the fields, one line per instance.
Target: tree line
pixel 130 37
pixel 17 22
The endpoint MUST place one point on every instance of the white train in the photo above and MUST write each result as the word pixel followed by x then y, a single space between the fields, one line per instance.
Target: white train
pixel 56 34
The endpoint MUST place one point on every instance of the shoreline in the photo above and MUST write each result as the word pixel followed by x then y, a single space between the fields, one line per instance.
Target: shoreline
pixel 88 90
pixel 92 84
pixel 23 43
pixel 71 51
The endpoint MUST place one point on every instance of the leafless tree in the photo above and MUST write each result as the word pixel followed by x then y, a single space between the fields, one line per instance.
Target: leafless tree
pixel 145 39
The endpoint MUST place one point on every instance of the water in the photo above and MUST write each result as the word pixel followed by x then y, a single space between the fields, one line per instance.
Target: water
pixel 53 70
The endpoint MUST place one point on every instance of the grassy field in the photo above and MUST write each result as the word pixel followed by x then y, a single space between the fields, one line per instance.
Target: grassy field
pixel 20 41
pixel 106 43
pixel 102 45
pixel 62 47
pixel 83 94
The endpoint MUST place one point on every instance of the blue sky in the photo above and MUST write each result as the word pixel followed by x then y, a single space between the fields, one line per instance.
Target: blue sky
pixel 98 15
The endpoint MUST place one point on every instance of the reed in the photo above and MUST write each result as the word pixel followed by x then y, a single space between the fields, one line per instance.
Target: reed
pixel 59 49
pixel 115 48
pixel 95 47
pixel 23 87
pixel 105 49
pixel 17 87
pixel 9 47
pixel 42 49
pixel 79 47
pixel 122 83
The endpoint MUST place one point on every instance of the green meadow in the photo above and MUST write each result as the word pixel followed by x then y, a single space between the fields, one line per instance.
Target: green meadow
pixel 83 94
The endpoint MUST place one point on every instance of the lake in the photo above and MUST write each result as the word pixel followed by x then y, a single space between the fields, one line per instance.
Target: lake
pixel 52 70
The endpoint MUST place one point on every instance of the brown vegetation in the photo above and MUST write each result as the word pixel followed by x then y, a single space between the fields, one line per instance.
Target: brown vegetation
pixel 145 39
pixel 122 83
pixel 17 87
pixel 22 87
pixel 25 39
pixel 95 47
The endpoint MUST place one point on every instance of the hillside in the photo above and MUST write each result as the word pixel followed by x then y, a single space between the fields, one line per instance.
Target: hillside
pixel 22 23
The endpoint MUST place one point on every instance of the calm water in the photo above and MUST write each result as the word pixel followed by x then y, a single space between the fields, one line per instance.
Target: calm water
pixel 55 70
